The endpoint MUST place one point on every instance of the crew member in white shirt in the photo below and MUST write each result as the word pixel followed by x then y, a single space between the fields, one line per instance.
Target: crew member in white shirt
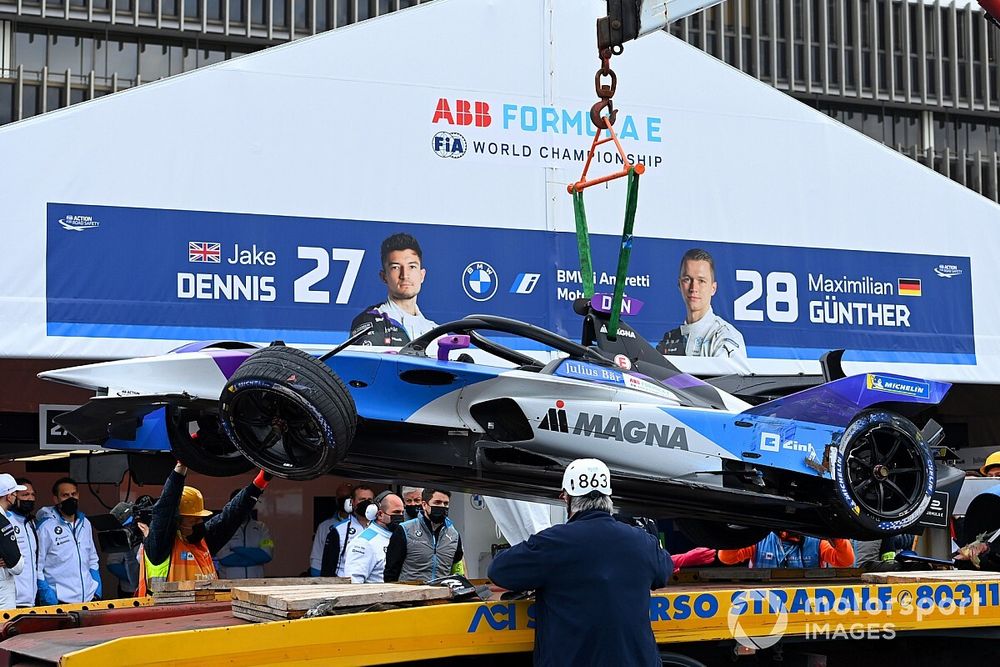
pixel 366 555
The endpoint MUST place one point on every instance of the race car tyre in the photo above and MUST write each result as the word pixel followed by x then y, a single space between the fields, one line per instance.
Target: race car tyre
pixel 288 413
pixel 198 441
pixel 718 535
pixel 883 472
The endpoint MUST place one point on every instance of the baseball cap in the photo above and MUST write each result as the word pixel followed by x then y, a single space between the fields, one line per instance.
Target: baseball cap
pixel 9 486
pixel 585 475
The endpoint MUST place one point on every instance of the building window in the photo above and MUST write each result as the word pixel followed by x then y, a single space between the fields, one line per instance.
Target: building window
pixel 29 50
pixel 279 13
pixel 54 98
pixel 6 103
pixel 154 62
pixel 302 14
pixel 30 101
pixel 123 59
pixel 236 14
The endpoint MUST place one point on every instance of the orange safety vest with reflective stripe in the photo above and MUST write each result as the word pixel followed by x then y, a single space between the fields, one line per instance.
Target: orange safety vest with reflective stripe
pixel 187 562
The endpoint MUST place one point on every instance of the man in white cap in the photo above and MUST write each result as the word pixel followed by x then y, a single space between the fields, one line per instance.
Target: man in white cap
pixel 591 575
pixel 11 562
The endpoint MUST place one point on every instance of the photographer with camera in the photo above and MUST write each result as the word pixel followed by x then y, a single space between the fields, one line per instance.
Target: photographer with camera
pixel 182 539
pixel 121 559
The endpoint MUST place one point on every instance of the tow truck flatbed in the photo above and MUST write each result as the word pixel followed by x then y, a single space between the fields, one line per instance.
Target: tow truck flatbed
pixel 686 618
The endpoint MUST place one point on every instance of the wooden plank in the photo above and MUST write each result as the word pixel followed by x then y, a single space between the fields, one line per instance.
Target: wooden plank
pixel 371 594
pixel 262 610
pixel 349 595
pixel 257 615
pixel 260 594
pixel 226 584
pixel 931 575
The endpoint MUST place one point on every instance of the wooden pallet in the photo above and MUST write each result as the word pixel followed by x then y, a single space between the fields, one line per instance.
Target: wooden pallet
pixel 930 575
pixel 270 603
pixel 185 597
pixel 227 584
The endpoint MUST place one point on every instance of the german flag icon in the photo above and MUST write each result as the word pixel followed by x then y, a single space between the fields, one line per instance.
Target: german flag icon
pixel 909 286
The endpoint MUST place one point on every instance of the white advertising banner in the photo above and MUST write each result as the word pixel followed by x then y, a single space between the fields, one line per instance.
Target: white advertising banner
pixel 249 201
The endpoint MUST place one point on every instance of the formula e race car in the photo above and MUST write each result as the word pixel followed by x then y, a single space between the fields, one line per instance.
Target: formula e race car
pixel 845 458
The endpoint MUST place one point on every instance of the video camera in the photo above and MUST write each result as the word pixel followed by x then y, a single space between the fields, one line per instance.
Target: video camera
pixel 118 531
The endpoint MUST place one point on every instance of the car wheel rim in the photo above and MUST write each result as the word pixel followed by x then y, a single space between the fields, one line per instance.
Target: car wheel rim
pixel 275 431
pixel 203 432
pixel 885 472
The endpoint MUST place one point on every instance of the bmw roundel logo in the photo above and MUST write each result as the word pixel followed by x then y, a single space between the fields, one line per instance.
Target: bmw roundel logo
pixel 479 280
pixel 58 530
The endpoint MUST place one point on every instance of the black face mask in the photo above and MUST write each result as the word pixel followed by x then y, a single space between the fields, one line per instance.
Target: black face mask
pixel 395 520
pixel 412 511
pixel 197 533
pixel 438 514
pixel 359 511
pixel 69 506
pixel 24 507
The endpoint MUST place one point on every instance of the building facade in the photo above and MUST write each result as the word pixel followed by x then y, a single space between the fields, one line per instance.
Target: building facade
pixel 919 77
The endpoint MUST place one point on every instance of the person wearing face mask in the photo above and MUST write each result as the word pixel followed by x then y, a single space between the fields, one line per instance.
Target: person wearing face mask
pixel 21 515
pixel 428 547
pixel 333 539
pixel 11 560
pixel 68 566
pixel 244 555
pixel 786 548
pixel 412 501
pixel 592 578
pixel 366 556
pixel 183 535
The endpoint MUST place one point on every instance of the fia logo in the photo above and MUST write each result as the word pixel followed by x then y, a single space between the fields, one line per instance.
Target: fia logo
pixel 448 144
pixel 555 419
pixel 479 281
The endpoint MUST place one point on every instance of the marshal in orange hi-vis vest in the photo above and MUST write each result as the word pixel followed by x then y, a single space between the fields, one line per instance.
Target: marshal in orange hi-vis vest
pixel 187 562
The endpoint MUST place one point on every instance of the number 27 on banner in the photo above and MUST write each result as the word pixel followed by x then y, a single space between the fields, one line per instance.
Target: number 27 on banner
pixel 304 284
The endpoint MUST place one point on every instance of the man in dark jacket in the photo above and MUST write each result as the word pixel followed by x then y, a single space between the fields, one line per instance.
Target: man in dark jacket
pixel 591 576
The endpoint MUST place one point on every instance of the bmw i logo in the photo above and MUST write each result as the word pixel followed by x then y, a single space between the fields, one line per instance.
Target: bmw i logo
pixel 479 280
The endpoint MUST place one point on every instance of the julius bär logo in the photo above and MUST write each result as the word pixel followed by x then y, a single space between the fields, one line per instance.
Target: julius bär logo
pixel 463 113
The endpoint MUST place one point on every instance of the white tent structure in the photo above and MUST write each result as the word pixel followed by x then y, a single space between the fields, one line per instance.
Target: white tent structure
pixel 462 122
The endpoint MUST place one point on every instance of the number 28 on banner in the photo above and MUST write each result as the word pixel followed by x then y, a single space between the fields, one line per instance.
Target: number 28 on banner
pixel 862 301
pixel 781 302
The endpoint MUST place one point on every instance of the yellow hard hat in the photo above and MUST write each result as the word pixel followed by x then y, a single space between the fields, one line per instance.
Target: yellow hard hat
pixel 991 460
pixel 193 503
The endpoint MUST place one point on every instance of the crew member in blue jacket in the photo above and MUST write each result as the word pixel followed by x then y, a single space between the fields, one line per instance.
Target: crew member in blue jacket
pixel 591 576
